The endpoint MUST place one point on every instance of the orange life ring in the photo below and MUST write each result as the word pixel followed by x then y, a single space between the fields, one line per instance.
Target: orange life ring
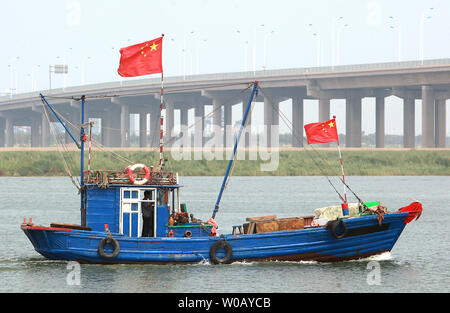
pixel 187 233
pixel 135 181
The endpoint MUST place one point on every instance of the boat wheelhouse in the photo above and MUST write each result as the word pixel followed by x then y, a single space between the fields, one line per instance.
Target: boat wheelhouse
pixel 114 201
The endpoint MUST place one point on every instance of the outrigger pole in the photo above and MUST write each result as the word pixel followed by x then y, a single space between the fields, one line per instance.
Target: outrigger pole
pixel 59 119
pixel 79 145
pixel 345 204
pixel 244 122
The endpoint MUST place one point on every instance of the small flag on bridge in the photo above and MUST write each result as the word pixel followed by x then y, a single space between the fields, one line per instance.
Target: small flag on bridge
pixel 141 59
pixel 322 132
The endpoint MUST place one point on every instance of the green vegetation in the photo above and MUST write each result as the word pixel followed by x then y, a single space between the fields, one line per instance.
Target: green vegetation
pixel 291 163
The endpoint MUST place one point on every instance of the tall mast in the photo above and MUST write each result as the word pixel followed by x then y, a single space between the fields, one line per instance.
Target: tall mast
pixel 82 139
pixel 161 129
pixel 244 123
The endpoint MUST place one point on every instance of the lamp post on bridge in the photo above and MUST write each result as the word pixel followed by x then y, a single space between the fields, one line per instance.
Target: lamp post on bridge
pixel 179 51
pixel 198 54
pixel 425 16
pixel 33 80
pixel 338 45
pixel 83 69
pixel 13 76
pixel 245 52
pixel 184 53
pixel 265 47
pixel 318 44
pixel 254 46
pixel 397 26
pixel 333 37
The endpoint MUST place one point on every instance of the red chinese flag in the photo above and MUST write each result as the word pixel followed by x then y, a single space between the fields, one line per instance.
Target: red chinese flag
pixel 141 59
pixel 322 132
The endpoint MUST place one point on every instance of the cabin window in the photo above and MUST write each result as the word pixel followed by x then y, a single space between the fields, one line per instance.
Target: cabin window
pixel 131 200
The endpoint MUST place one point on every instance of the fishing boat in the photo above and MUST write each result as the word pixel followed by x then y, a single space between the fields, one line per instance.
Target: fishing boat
pixel 111 227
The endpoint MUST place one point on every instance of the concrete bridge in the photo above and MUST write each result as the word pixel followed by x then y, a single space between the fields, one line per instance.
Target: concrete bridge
pixel 114 102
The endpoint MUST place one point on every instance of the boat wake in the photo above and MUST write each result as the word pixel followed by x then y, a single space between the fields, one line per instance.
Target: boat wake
pixel 385 256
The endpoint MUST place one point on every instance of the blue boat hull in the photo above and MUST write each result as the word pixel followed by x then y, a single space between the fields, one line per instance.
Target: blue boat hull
pixel 364 237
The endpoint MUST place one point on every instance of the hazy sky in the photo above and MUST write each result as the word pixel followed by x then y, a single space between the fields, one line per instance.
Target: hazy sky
pixel 87 36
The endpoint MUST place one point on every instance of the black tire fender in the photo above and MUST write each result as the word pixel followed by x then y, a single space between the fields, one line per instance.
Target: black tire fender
pixel 221 244
pixel 113 242
pixel 333 226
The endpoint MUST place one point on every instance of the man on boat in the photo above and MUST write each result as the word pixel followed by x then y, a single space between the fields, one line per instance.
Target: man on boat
pixel 147 215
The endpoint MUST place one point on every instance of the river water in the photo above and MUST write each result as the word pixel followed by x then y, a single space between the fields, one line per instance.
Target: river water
pixel 419 262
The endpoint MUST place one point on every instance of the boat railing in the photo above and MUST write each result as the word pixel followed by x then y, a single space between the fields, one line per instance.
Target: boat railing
pixel 104 178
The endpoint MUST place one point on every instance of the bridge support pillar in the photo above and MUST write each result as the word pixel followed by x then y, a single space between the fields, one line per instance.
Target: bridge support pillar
pixel 409 120
pixel 111 134
pixel 353 122
pixel 324 113
pixel 170 124
pixel 379 122
pixel 45 131
pixel 217 122
pixel 440 123
pixel 199 113
pixel 34 132
pixel 9 132
pixel 271 121
pixel 2 131
pixel 428 116
pixel 124 125
pixel 155 126
pixel 184 123
pixel 227 124
pixel 297 122
pixel 142 129
pixel 103 129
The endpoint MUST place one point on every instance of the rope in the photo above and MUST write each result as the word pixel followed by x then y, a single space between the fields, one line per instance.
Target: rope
pixel 66 166
pixel 294 132
pixel 149 92
pixel 213 111
pixel 324 160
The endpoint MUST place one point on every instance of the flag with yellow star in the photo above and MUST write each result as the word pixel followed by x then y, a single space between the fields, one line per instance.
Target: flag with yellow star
pixel 141 59
pixel 322 132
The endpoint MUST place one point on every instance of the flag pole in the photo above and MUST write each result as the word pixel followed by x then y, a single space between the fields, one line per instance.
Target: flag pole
pixel 161 129
pixel 345 204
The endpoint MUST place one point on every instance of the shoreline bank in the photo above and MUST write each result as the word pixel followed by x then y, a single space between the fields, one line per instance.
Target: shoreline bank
pixel 321 161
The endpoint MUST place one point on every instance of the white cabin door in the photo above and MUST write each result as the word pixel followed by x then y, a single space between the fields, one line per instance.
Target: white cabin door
pixel 131 199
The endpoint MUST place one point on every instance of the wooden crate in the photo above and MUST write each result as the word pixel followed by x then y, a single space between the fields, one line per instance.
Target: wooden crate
pixel 260 218
pixel 266 226
pixel 290 223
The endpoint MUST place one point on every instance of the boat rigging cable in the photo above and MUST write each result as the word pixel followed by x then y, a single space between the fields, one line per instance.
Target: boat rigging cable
pixel 166 91
pixel 74 127
pixel 244 123
pixel 295 133
pixel 97 144
pixel 60 145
